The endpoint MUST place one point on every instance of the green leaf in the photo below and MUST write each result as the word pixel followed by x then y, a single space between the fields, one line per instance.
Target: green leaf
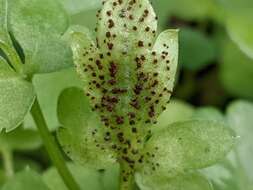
pixel 25 180
pixel 236 72
pixel 76 6
pixel 81 136
pixel 85 18
pixel 186 145
pixel 175 111
pixel 239 115
pixel 240 31
pixel 185 9
pixel 48 88
pixel 192 43
pixel 37 25
pixel 4 35
pixel 86 178
pixel 208 113
pixel 191 181
pixel 16 97
pixel 108 177
pixel 20 139
pixel 5 41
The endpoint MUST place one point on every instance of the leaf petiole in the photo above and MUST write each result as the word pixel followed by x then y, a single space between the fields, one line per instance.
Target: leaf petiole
pixel 52 148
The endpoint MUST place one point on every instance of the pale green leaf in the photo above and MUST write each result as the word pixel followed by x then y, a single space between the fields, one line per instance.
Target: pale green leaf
pixel 191 181
pixel 208 113
pixel 37 25
pixel 175 111
pixel 20 139
pixel 239 115
pixel 48 88
pixel 25 180
pixel 236 71
pixel 186 145
pixel 76 6
pixel 86 178
pixel 81 136
pixel 16 98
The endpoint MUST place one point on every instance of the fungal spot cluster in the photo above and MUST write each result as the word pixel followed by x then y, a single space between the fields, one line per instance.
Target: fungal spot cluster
pixel 127 76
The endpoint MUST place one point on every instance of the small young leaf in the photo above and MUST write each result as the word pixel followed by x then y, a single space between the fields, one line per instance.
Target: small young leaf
pixel 39 35
pixel 16 97
pixel 81 136
pixel 186 145
pixel 20 139
pixel 191 181
pixel 25 180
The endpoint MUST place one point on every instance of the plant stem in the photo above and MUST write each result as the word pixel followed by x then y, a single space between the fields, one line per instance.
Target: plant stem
pixel 52 148
pixel 126 177
pixel 8 162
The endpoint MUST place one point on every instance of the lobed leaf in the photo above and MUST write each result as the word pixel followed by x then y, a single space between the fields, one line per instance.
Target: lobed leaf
pixel 190 181
pixel 81 136
pixel 16 97
pixel 37 25
pixel 185 146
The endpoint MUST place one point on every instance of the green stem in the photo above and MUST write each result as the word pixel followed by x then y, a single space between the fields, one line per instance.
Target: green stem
pixel 8 162
pixel 126 177
pixel 52 148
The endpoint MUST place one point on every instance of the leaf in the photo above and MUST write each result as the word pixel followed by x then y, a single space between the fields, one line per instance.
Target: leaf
pixel 86 178
pixel 185 9
pixel 39 35
pixel 175 111
pixel 81 136
pixel 192 43
pixel 191 181
pixel 185 146
pixel 240 29
pixel 25 180
pixel 76 6
pixel 20 139
pixel 239 115
pixel 48 88
pixel 16 97
pixel 4 35
pixel 85 18
pixel 208 113
pixel 236 72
